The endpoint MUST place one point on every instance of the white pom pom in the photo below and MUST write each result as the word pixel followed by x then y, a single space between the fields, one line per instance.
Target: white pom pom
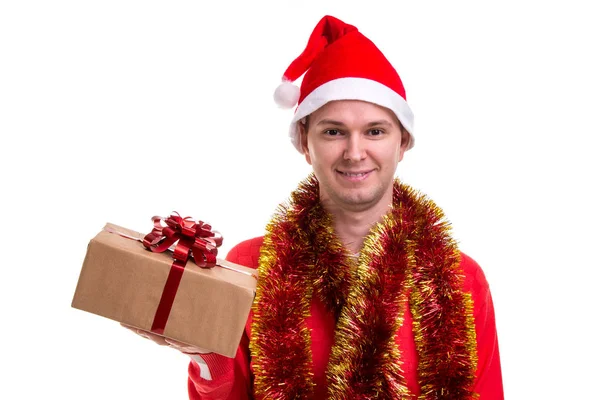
pixel 286 95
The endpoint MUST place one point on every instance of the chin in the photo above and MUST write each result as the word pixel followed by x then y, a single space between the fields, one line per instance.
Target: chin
pixel 360 200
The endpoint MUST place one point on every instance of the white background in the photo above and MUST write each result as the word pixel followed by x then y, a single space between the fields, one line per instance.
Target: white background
pixel 115 111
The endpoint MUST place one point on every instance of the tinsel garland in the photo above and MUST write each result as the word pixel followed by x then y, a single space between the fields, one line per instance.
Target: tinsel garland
pixel 407 258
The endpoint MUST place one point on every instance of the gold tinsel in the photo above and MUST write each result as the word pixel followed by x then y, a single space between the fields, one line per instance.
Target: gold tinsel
pixel 407 259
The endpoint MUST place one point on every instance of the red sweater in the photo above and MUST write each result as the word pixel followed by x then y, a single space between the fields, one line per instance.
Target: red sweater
pixel 232 378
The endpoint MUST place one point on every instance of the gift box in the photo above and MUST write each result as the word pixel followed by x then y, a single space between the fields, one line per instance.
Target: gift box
pixel 121 279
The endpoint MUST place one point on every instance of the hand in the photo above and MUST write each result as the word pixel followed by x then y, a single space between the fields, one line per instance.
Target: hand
pixel 164 341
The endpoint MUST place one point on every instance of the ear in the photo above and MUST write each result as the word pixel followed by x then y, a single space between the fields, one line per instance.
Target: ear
pixel 405 139
pixel 304 141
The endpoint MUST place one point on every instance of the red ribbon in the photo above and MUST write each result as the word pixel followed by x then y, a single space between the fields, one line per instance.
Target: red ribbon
pixel 190 237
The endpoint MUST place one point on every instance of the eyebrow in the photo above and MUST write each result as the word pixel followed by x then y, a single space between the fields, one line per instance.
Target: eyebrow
pixel 330 122
pixel 379 123
pixel 338 123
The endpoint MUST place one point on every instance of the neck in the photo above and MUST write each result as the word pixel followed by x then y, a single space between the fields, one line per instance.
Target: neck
pixel 352 226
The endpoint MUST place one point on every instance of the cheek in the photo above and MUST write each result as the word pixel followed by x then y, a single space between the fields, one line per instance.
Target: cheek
pixel 397 152
pixel 388 154
pixel 321 153
pixel 328 154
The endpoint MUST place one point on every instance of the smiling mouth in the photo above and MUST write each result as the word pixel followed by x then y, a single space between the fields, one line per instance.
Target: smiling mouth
pixel 354 175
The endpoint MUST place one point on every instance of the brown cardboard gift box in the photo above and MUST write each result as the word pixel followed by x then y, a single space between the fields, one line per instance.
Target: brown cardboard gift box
pixel 123 281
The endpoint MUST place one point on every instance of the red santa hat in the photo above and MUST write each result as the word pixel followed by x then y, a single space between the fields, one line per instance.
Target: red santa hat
pixel 341 64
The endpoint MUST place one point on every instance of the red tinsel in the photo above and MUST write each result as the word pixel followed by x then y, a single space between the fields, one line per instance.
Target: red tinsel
pixel 409 252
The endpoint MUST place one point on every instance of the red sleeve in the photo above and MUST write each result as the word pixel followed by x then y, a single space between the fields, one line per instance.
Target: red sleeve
pixel 488 378
pixel 231 377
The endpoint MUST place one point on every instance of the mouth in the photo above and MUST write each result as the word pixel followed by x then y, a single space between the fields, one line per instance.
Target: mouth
pixel 354 175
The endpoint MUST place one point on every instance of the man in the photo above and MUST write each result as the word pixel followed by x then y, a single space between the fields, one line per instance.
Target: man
pixel 362 292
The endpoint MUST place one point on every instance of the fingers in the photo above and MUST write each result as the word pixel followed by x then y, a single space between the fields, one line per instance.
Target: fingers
pixel 164 341
pixel 160 340
pixel 185 348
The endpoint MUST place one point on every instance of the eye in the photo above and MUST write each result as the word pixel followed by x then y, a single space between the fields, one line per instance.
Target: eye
pixel 332 132
pixel 375 132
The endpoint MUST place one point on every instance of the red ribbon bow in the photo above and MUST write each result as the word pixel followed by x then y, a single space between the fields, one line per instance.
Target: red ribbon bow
pixel 194 238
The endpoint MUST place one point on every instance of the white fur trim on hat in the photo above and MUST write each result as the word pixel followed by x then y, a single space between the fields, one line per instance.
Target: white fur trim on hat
pixel 353 89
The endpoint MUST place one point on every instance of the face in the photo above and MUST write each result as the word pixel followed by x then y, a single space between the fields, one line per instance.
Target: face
pixel 354 148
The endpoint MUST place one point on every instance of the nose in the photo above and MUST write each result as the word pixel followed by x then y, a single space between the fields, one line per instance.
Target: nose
pixel 355 149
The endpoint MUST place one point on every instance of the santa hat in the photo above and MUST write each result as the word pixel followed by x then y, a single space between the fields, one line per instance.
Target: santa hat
pixel 341 64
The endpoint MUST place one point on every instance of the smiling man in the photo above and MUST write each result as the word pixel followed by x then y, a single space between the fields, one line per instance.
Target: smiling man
pixel 362 291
